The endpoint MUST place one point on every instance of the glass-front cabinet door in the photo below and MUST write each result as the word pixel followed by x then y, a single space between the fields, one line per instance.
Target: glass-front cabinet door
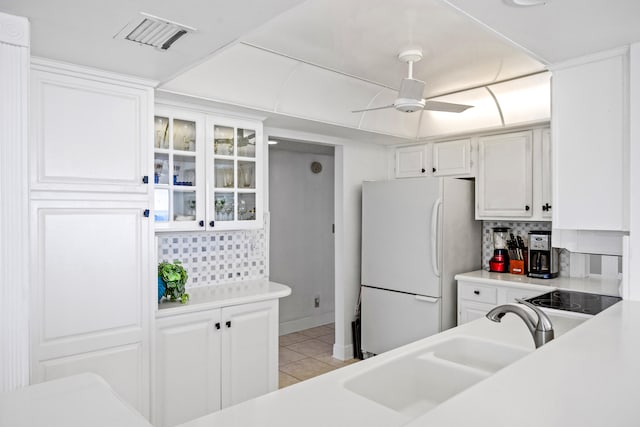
pixel 179 176
pixel 234 162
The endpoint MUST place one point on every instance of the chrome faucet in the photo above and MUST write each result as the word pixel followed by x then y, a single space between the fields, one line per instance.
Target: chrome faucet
pixel 538 322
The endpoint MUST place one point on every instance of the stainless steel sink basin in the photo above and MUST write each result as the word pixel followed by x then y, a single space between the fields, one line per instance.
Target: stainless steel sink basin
pixel 416 383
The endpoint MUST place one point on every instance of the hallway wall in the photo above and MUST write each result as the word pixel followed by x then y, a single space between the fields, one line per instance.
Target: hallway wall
pixel 301 253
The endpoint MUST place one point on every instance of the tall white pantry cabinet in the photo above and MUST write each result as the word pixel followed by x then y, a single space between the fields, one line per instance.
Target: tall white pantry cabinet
pixel 90 230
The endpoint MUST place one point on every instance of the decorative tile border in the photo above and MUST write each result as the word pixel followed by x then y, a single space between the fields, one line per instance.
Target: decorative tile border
pixel 217 257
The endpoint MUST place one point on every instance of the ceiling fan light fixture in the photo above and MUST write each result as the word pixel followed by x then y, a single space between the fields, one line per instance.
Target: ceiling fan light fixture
pixel 407 105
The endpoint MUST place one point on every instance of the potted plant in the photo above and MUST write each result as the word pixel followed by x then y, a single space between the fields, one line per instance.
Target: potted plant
pixel 174 278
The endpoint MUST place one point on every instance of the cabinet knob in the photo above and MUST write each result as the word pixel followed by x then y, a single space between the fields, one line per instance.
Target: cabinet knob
pixel 526 208
pixel 145 179
pixel 433 170
pixel 145 213
pixel 477 292
pixel 228 323
pixel 546 207
pixel 423 170
pixel 217 325
pixel 212 223
pixel 201 223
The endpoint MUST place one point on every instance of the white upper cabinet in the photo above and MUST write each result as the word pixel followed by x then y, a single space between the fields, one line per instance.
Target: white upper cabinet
pixel 505 176
pixel 207 171
pixel 88 134
pixel 452 158
pixel 546 179
pixel 179 175
pixel 412 161
pixel 234 170
pixel 591 143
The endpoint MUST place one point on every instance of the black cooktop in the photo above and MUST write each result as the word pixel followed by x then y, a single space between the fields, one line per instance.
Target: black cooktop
pixel 578 302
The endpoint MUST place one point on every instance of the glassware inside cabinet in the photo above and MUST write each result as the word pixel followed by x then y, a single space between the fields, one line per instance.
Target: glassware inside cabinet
pixel 246 174
pixel 161 205
pixel 223 141
pixel 246 142
pixel 224 174
pixel 246 206
pixel 184 135
pixel 161 168
pixel 184 205
pixel 223 205
pixel 161 134
pixel 184 168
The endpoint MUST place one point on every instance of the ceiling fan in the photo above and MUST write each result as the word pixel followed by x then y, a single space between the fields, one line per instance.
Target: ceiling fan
pixel 410 94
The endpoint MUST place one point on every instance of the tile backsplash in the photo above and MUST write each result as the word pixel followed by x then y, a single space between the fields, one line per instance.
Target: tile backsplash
pixel 517 228
pixel 216 257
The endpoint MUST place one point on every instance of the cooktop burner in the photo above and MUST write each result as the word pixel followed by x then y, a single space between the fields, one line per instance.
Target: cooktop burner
pixel 578 302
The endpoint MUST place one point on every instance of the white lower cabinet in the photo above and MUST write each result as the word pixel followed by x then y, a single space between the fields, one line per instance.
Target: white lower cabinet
pixel 212 359
pixel 475 300
pixel 249 351
pixel 88 303
pixel 187 367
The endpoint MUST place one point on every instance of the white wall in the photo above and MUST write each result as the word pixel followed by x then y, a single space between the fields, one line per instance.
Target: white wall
pixel 14 302
pixel 355 162
pixel 301 249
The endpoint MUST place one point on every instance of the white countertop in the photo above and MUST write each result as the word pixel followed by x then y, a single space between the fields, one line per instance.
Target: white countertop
pixel 77 401
pixel 593 284
pixel 565 366
pixel 589 377
pixel 215 296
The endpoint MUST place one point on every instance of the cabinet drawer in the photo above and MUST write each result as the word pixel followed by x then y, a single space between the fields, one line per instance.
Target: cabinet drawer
pixel 478 293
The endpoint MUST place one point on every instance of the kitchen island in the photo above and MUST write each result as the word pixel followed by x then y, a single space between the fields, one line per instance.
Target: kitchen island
pixel 587 376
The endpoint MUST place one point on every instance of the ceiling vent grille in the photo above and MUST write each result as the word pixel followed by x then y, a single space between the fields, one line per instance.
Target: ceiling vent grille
pixel 152 31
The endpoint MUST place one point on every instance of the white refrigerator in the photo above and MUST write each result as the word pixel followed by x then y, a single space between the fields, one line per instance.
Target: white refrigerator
pixel 417 234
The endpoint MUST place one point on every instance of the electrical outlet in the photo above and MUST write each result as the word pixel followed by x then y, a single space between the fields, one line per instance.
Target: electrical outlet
pixel 316 302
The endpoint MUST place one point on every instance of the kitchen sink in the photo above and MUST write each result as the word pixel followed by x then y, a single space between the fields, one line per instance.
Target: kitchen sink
pixel 418 382
pixel 487 356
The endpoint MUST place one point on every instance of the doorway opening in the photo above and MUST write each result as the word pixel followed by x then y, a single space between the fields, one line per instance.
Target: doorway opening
pixel 301 237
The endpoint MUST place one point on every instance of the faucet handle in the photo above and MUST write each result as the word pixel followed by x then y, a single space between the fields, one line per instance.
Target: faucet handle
pixel 544 323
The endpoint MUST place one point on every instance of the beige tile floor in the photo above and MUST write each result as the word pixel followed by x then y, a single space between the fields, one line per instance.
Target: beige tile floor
pixel 307 354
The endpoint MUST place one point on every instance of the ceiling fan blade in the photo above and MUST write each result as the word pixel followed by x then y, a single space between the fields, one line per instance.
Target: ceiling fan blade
pixel 446 107
pixel 371 109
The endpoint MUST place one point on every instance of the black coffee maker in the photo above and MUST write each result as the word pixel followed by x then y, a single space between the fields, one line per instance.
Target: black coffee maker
pixel 543 259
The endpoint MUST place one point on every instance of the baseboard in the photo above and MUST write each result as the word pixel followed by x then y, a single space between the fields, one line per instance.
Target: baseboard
pixel 343 352
pixel 306 323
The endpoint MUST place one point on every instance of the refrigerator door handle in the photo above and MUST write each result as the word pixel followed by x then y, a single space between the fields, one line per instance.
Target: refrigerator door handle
pixel 434 236
pixel 427 299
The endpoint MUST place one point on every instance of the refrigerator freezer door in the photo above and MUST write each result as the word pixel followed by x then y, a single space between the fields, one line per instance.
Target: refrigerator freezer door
pixel 392 319
pixel 397 221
